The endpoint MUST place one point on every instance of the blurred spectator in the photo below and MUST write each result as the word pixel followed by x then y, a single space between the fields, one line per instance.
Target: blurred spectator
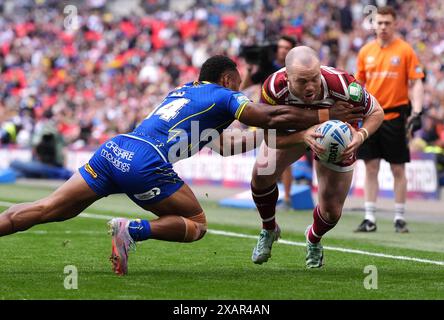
pixel 263 60
pixel 47 153
pixel 431 139
pixel 9 131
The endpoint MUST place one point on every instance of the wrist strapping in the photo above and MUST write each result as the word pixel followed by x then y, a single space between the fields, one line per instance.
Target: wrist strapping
pixel 324 115
pixel 364 133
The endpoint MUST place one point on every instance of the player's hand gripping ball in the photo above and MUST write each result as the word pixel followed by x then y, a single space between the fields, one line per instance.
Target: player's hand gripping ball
pixel 336 137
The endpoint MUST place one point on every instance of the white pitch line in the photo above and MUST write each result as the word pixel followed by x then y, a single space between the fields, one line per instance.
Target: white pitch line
pixel 66 232
pixel 6 204
pixel 246 236
pixel 96 216
pixel 302 244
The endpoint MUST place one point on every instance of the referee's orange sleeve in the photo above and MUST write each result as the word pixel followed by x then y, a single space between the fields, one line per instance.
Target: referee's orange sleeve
pixel 360 72
pixel 414 67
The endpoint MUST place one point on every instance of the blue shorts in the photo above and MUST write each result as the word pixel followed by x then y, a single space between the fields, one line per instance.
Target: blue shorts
pixel 134 166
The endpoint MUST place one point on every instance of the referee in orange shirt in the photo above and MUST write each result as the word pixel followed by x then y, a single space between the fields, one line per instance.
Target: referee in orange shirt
pixel 387 67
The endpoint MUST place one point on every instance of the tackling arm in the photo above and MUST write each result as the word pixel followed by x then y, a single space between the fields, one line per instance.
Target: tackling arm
pixel 236 141
pixel 284 140
pixel 291 117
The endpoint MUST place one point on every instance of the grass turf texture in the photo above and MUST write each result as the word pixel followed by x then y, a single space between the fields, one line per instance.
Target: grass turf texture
pixel 217 267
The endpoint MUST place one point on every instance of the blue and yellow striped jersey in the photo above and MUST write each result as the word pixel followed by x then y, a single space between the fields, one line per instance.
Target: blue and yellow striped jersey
pixel 190 117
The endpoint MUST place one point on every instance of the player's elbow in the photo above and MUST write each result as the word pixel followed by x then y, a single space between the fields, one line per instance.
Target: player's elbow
pixel 378 114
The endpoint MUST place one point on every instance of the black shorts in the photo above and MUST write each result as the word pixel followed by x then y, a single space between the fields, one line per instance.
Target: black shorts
pixel 389 142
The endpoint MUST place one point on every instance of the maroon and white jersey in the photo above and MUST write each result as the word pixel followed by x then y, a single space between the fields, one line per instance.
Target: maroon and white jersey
pixel 334 87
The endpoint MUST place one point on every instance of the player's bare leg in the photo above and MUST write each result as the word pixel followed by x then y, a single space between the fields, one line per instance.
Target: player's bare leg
pixel 333 189
pixel 65 203
pixel 181 219
pixel 265 195
pixel 371 189
pixel 174 213
pixel 287 180
pixel 400 189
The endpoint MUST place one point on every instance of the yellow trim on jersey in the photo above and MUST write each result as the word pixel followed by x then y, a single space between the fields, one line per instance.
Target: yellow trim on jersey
pixel 267 97
pixel 90 171
pixel 196 83
pixel 190 116
pixel 240 110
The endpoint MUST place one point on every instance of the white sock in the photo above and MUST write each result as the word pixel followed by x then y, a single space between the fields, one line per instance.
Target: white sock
pixel 370 208
pixel 399 211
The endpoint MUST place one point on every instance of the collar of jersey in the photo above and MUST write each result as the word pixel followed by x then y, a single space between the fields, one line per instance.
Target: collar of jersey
pixel 195 83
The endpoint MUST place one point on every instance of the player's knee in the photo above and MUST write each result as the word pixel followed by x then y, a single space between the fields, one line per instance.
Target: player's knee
pixel 332 216
pixel 332 212
pixel 259 181
pixel 196 227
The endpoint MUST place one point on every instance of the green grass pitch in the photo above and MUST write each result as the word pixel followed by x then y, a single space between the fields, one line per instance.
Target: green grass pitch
pixel 218 267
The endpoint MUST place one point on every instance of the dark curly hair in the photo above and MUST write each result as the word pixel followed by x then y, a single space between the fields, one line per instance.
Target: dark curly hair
pixel 214 68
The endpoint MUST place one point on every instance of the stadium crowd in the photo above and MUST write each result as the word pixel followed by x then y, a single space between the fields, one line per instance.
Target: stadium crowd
pixel 103 73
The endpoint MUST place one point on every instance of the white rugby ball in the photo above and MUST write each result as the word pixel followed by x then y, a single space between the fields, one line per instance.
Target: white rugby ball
pixel 336 137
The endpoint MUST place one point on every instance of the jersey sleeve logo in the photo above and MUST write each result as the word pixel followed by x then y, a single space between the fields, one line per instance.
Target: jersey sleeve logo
pixel 355 91
pixel 241 98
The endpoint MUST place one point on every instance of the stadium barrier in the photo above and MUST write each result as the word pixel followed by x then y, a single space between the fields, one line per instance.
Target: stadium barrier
pixel 300 196
pixel 210 168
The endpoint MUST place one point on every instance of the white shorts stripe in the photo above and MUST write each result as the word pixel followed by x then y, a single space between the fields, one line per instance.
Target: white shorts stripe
pixel 337 168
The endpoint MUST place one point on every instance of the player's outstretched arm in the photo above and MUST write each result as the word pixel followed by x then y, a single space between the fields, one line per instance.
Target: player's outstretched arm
pixel 236 141
pixel 288 140
pixel 291 117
